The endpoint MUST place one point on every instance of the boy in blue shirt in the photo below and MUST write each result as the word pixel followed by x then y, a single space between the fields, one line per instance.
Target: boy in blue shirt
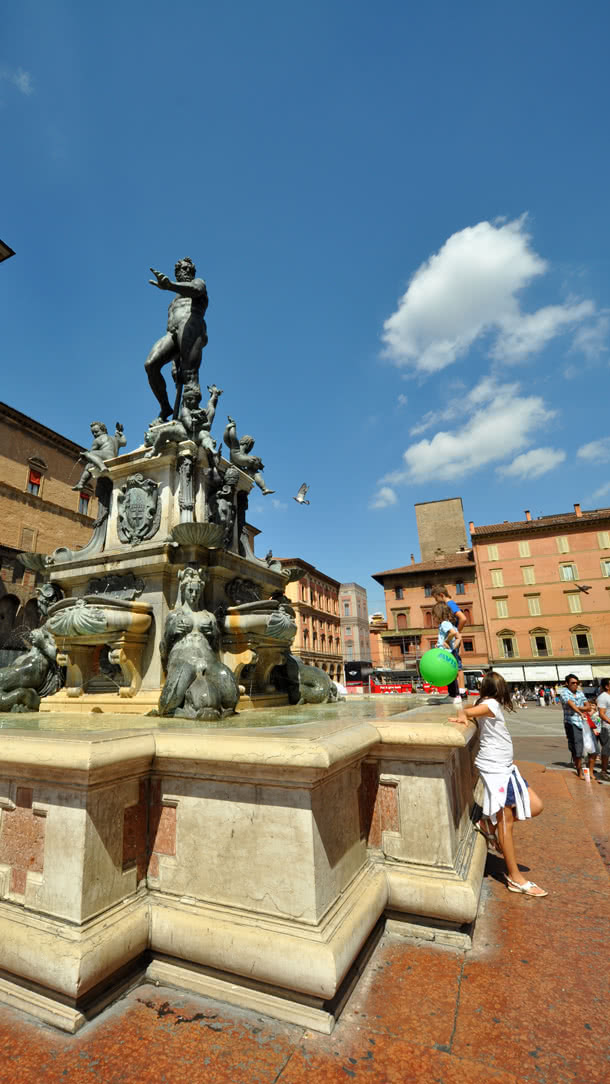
pixel 449 638
pixel 458 618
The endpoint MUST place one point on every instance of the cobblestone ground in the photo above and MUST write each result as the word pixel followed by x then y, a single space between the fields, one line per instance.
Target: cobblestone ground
pixel 528 1003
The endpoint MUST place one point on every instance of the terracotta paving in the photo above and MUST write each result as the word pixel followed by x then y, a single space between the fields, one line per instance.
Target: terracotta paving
pixel 529 1003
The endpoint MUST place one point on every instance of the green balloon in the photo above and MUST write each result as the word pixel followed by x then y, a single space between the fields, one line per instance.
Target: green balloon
pixel 438 666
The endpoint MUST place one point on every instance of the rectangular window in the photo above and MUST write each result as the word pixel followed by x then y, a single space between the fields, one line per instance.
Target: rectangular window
pixel 497 577
pixel 574 603
pixel 34 480
pixel 83 504
pixel 563 544
pixel 533 605
pixel 528 573
pixel 398 592
pixel 459 588
pixel 509 647
pixel 501 607
pixel 540 645
pixel 524 549
pixel 492 553
pixel 468 645
pixel 568 572
pixel 582 643
pixel 427 590
pixel 348 630
pixel 603 540
pixel 346 609
pixel 605 568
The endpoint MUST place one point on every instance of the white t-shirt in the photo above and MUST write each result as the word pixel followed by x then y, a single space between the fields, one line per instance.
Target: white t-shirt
pixel 444 628
pixel 603 701
pixel 496 745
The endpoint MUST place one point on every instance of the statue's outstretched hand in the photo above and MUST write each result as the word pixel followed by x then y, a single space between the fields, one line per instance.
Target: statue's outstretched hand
pixel 159 280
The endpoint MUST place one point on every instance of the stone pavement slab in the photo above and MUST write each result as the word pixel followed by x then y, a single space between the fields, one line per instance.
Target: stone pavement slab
pixel 530 1002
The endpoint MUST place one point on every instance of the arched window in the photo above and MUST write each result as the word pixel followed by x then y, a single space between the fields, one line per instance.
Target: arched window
pixel 428 619
pixel 401 621
pixel 467 616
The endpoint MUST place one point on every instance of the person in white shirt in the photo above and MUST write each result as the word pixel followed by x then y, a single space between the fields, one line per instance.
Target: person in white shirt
pixel 603 706
pixel 508 796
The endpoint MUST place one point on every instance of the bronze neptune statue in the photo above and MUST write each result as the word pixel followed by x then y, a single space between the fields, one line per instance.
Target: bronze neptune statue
pixel 185 337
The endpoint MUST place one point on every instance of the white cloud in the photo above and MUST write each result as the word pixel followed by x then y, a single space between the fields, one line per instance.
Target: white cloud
pixel 502 421
pixel 402 400
pixel 19 78
pixel 534 463
pixel 524 334
pixel 597 451
pixel 592 339
pixel 384 498
pixel 469 289
pixel 603 491
pixel 275 503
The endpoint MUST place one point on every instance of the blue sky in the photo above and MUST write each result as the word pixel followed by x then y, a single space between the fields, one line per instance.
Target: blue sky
pixel 401 213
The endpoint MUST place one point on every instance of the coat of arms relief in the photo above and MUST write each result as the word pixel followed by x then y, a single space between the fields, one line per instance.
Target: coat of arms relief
pixel 139 509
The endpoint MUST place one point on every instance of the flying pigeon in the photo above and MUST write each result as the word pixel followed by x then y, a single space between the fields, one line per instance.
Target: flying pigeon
pixel 583 587
pixel 300 497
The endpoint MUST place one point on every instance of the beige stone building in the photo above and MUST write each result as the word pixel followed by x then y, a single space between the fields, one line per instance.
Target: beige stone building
pixel 315 598
pixel 545 588
pixel 38 510
pixel 353 610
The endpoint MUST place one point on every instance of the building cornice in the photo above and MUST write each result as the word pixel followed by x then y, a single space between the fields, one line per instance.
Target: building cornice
pixel 22 421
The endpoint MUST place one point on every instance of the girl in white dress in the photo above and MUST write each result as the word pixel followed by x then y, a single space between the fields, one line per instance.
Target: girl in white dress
pixel 507 795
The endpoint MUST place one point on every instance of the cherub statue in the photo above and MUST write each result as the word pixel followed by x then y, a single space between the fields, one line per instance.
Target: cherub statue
pixel 221 496
pixel 193 422
pixel 239 452
pixel 104 447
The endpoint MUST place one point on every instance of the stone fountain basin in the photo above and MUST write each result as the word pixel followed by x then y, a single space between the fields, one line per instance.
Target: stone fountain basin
pixel 96 614
pixel 311 834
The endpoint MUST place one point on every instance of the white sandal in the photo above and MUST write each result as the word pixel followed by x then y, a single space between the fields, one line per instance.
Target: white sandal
pixel 485 827
pixel 526 889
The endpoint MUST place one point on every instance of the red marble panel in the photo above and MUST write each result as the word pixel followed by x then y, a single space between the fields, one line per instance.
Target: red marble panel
pixel 164 841
pixel 135 833
pixel 162 829
pixel 18 881
pixel 370 827
pixel 22 835
pixel 387 800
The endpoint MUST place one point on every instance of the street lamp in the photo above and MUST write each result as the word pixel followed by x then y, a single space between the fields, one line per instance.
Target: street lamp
pixel 5 251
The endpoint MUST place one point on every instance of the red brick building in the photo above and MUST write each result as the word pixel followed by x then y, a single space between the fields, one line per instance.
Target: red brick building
pixel 411 629
pixel 38 510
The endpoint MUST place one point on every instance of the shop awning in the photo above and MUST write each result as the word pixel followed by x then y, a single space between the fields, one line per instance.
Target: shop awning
pixel 584 671
pixel 545 673
pixel 510 673
pixel 600 671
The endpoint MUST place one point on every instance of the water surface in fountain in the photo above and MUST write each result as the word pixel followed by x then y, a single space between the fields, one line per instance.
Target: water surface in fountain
pixel 354 710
